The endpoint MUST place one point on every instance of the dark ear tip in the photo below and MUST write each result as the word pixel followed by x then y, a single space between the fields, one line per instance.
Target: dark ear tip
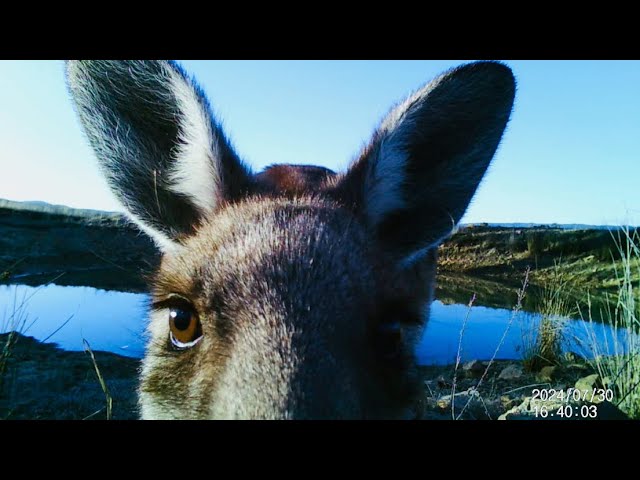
pixel 491 70
pixel 489 79
pixel 494 65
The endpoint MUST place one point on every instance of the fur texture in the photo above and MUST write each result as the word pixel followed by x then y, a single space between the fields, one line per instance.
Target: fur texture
pixel 311 287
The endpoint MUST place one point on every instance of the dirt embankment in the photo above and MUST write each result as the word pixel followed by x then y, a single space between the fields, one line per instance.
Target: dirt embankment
pixel 73 248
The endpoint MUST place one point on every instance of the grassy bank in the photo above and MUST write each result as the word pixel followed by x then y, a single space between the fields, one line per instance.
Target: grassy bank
pixel 587 259
pixel 41 381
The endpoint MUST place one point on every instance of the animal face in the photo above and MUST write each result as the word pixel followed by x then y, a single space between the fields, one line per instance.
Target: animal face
pixel 295 292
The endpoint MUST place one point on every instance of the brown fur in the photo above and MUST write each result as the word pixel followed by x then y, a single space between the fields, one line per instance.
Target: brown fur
pixel 294 179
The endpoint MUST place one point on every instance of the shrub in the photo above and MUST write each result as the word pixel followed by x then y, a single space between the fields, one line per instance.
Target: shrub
pixel 543 340
pixel 618 360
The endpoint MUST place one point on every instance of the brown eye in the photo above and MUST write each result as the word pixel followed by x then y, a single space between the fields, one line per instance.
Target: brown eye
pixel 185 326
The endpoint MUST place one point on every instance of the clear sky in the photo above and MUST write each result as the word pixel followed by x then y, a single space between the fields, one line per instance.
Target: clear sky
pixel 571 153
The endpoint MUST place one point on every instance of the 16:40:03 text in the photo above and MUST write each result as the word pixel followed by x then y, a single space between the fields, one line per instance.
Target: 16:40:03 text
pixel 567 411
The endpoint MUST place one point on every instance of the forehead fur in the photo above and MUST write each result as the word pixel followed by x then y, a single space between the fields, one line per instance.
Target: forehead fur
pixel 287 236
pixel 282 289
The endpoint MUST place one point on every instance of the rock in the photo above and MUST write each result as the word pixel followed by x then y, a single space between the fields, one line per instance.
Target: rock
pixel 573 357
pixel 511 372
pixel 519 412
pixel 474 368
pixel 575 368
pixel 471 402
pixel 442 382
pixel 546 374
pixel 444 402
pixel 531 409
pixel 589 385
pixel 507 402
pixel 513 414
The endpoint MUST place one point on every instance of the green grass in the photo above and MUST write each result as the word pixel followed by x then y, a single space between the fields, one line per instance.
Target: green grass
pixel 103 385
pixel 618 360
pixel 502 254
pixel 38 379
pixel 15 323
pixel 5 354
pixel 543 341
pixel 617 357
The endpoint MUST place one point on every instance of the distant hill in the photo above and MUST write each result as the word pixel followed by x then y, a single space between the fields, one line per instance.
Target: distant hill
pixel 558 226
pixel 61 210
pixel 44 207
pixel 40 242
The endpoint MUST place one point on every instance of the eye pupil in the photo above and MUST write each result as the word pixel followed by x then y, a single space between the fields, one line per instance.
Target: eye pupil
pixel 181 318
pixel 185 330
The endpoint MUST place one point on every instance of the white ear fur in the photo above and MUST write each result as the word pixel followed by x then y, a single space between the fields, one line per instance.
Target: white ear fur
pixel 162 241
pixel 387 172
pixel 195 172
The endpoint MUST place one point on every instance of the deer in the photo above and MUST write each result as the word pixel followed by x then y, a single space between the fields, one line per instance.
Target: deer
pixel 295 292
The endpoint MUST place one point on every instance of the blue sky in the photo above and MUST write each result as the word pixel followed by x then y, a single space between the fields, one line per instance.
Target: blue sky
pixel 571 153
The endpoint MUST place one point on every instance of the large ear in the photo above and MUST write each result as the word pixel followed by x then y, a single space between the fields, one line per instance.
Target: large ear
pixel 416 178
pixel 163 154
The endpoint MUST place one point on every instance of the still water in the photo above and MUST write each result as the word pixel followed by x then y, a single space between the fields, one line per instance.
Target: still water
pixel 108 320
pixel 115 321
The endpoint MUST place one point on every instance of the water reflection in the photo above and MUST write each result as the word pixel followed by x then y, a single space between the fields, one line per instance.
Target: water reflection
pixel 486 327
pixel 115 321
pixel 108 320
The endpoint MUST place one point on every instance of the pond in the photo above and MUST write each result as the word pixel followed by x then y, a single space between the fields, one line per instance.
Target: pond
pixel 108 320
pixel 114 321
